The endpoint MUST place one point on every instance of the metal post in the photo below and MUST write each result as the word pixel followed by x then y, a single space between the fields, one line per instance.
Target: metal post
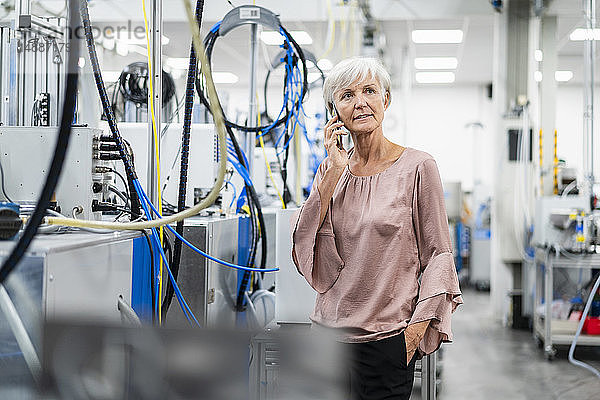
pixel 22 7
pixel 588 87
pixel 548 298
pixel 156 56
pixel 428 378
pixel 252 114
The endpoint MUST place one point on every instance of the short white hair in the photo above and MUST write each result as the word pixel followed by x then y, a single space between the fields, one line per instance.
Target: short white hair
pixel 351 69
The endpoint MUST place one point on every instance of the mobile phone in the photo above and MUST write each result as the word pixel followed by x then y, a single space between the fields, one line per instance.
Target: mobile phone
pixel 339 137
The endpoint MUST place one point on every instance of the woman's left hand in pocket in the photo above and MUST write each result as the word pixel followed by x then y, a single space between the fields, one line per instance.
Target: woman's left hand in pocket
pixel 412 336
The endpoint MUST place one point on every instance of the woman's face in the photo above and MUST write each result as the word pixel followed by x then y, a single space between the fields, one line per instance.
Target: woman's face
pixel 361 105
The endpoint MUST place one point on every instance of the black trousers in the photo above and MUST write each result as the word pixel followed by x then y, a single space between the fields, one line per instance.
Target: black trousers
pixel 378 370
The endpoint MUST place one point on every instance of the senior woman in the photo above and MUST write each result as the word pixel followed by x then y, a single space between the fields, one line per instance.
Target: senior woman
pixel 373 240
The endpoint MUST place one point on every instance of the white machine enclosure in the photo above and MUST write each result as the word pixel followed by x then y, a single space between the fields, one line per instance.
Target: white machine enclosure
pixel 295 298
pixel 26 153
pixel 78 275
pixel 544 233
pixel 202 160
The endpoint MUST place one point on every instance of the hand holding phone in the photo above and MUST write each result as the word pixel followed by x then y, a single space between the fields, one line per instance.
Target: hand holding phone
pixel 339 137
pixel 333 143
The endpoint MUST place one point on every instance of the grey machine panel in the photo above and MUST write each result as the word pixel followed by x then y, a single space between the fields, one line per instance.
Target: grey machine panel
pixel 76 276
pixel 26 152
pixel 209 289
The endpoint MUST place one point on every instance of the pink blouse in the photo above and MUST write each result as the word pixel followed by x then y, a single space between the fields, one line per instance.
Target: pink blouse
pixel 382 258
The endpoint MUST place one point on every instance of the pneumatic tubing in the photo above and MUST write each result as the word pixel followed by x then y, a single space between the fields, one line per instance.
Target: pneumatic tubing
pixel 184 306
pixel 194 248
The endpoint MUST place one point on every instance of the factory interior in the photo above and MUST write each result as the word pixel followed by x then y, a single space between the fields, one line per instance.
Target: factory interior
pixel 160 245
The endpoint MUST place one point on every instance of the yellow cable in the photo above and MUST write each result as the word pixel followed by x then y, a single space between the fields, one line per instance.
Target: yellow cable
pixel 215 108
pixel 332 38
pixel 156 145
pixel 262 146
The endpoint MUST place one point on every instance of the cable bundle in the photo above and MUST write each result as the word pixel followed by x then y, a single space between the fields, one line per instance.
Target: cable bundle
pixel 295 89
pixel 133 84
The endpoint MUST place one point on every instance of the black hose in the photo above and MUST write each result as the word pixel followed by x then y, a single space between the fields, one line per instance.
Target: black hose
pixel 185 151
pixel 261 221
pixel 108 111
pixel 209 43
pixel 60 150
pixel 253 197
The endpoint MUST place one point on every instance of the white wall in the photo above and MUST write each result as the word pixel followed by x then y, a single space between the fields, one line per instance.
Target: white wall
pixel 569 123
pixel 437 121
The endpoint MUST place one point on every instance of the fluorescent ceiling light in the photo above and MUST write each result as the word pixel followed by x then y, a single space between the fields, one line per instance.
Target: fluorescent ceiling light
pixel 436 62
pixel 111 76
pixel 435 77
pixel 563 76
pixel 537 75
pixel 585 34
pixel 437 36
pixel 538 55
pixel 225 77
pixel 325 64
pixel 274 38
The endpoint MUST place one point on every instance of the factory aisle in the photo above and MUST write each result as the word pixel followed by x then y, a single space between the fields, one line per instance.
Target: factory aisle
pixel 488 361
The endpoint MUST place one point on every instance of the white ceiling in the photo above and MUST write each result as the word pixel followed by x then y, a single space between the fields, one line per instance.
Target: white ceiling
pixel 396 19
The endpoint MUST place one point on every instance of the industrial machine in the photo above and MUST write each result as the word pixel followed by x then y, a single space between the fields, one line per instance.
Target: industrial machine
pixel 25 153
pixel 210 290
pixel 80 276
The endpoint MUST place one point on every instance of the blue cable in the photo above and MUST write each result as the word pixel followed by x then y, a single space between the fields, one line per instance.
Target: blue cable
pixel 194 248
pixel 216 27
pixel 184 306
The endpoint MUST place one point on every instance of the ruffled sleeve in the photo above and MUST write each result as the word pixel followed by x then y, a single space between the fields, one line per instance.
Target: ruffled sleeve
pixel 439 292
pixel 314 250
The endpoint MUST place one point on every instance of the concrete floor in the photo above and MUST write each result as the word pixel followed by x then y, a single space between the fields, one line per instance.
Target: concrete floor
pixel 488 361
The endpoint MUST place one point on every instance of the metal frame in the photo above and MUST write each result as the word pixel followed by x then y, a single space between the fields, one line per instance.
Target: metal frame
pixel 31 62
pixel 543 330
pixel 156 55
pixel 428 377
